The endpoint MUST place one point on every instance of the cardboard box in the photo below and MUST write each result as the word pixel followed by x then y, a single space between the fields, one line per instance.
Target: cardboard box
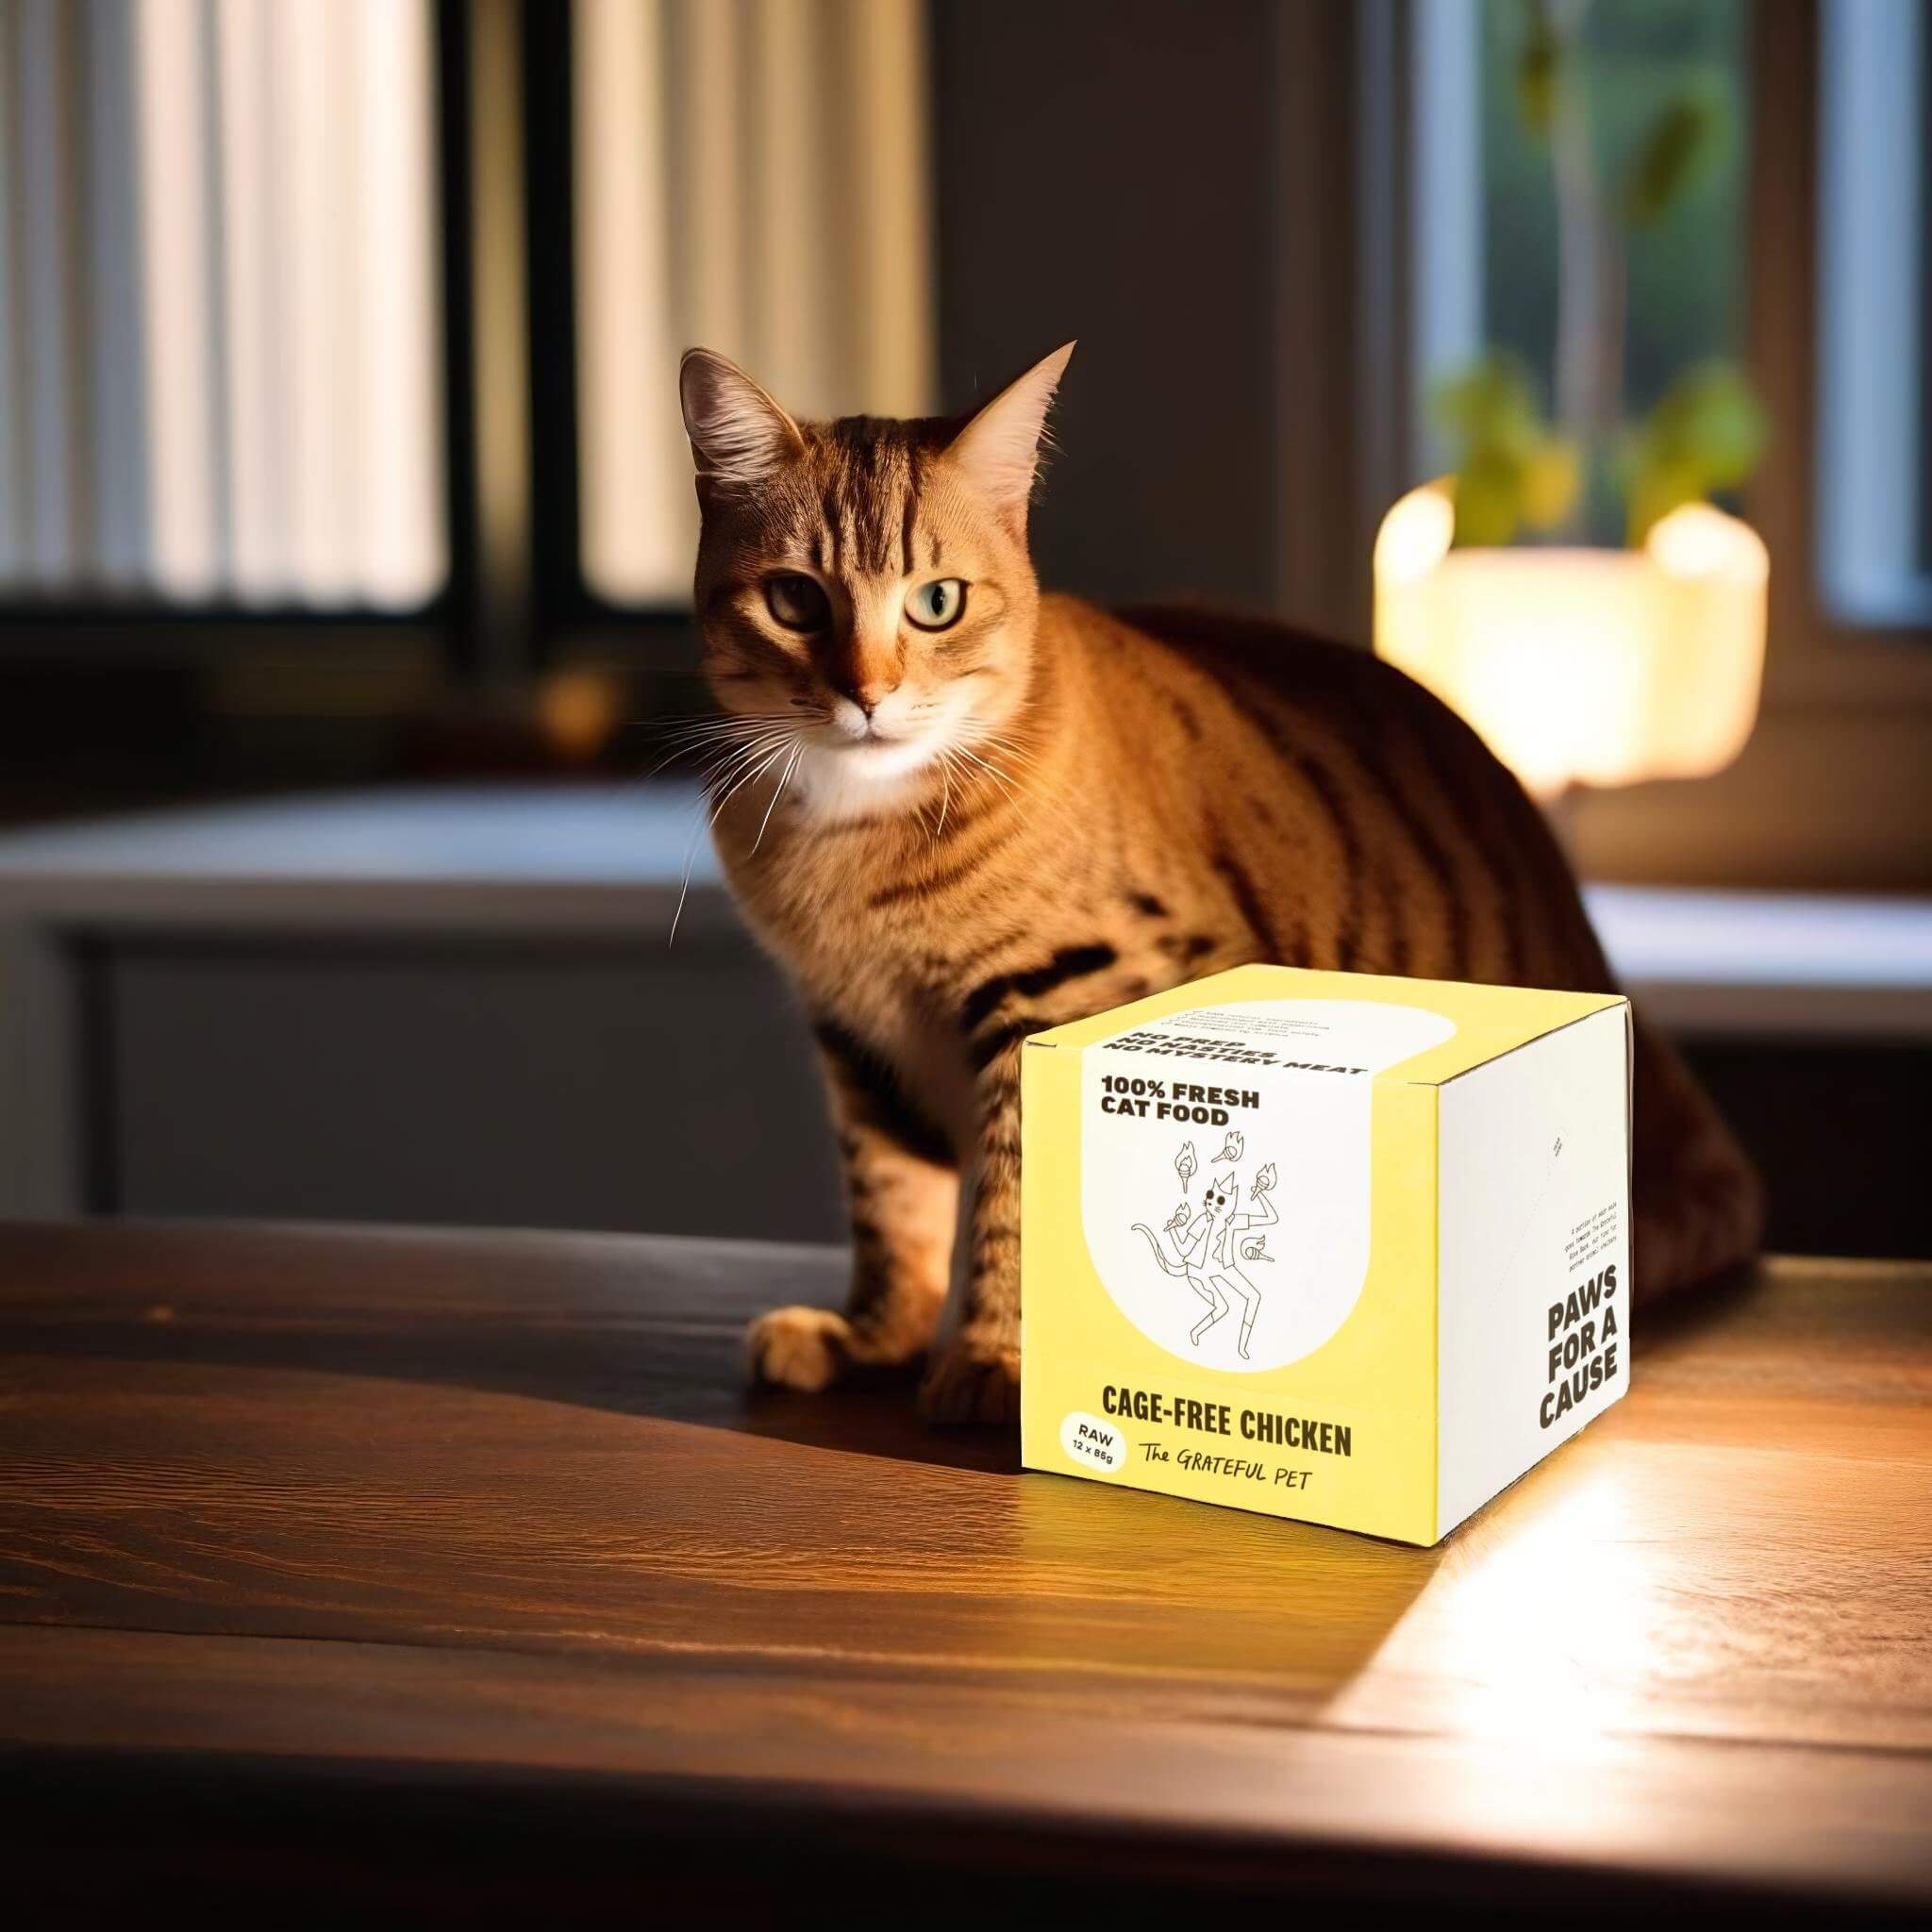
pixel 1354 1250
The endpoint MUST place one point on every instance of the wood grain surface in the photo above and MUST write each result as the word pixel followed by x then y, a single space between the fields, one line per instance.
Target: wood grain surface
pixel 357 1560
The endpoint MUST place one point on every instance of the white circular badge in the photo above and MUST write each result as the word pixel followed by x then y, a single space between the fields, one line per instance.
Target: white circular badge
pixel 1224 1170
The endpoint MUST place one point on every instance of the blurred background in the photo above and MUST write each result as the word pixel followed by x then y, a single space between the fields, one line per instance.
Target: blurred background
pixel 345 522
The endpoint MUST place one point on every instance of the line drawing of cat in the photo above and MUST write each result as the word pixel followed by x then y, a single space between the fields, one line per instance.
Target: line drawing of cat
pixel 1210 1249
pixel 1191 1242
pixel 1227 1251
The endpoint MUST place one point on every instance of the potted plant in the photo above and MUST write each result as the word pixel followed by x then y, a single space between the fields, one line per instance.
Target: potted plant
pixel 1571 588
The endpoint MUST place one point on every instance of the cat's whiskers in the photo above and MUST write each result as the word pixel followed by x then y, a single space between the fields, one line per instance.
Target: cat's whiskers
pixel 717 721
pixel 1005 780
pixel 779 791
pixel 724 743
pixel 732 770
pixel 1010 748
pixel 1030 792
pixel 721 777
pixel 946 794
pixel 723 730
pixel 937 825
pixel 747 766
pixel 1047 789
pixel 714 741
pixel 706 736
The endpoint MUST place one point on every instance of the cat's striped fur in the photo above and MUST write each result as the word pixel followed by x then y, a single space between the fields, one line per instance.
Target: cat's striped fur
pixel 952 839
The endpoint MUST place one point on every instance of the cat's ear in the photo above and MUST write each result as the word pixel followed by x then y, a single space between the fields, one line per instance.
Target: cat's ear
pixel 738 435
pixel 998 450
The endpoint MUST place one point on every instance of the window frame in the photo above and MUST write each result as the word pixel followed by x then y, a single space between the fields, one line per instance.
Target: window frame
pixel 655 642
pixel 1814 655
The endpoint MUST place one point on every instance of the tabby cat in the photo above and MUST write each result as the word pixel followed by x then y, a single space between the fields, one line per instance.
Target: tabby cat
pixel 958 810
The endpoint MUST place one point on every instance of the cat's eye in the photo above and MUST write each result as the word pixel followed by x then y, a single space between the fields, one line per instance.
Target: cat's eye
pixel 799 603
pixel 937 606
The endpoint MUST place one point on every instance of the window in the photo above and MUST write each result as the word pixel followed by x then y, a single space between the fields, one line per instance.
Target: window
pixel 1485 252
pixel 753 179
pixel 196 200
pixel 232 380
pixel 1684 274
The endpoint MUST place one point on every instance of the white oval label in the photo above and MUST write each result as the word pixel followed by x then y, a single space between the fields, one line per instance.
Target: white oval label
pixel 1089 1440
pixel 1224 1170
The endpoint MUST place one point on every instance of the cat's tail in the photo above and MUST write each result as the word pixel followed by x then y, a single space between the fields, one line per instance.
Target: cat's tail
pixel 1699 1205
pixel 1160 1253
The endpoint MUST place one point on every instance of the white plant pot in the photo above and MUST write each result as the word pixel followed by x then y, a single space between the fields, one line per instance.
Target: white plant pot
pixel 1598 667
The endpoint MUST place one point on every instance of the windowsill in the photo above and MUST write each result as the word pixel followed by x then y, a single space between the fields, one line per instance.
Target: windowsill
pixel 611 860
pixel 1823 798
pixel 1820 965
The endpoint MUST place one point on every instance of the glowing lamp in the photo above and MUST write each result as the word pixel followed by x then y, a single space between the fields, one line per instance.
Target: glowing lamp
pixel 1582 666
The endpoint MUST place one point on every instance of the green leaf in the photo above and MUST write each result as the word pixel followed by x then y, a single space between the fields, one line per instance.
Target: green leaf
pixel 1488 500
pixel 1539 69
pixel 1681 143
pixel 1550 481
pixel 1491 405
pixel 1707 432
pixel 1710 416
pixel 1656 491
pixel 1510 470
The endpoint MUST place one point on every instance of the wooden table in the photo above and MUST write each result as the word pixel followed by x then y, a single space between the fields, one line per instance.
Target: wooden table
pixel 459 1570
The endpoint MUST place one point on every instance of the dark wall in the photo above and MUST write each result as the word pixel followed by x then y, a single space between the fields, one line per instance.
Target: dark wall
pixel 1108 172
pixel 476 1080
pixel 1837 1130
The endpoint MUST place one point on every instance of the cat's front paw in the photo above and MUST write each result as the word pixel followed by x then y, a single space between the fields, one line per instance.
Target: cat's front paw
pixel 800 1348
pixel 973 1382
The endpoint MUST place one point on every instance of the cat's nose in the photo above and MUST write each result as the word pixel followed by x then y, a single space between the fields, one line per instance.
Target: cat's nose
pixel 867 693
pixel 852 711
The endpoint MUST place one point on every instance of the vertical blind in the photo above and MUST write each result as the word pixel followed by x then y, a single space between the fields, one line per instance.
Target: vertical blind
pixel 750 175
pixel 219 305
